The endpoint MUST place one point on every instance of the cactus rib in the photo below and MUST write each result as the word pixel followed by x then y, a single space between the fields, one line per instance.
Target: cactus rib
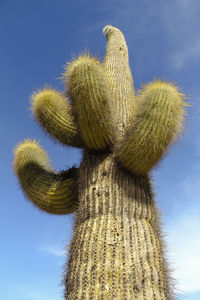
pixel 118 249
pixel 52 192
pixel 158 123
pixel 89 92
pixel 116 65
pixel 54 113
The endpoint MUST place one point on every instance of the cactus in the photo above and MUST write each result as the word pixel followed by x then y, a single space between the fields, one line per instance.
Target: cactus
pixel 118 250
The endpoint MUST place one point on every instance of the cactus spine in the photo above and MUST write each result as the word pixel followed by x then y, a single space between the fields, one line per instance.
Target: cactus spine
pixel 117 251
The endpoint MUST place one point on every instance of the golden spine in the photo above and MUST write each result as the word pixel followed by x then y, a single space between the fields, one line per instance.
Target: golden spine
pixel 89 92
pixel 159 121
pixel 117 251
pixel 54 113
pixel 117 248
pixel 55 193
pixel 116 64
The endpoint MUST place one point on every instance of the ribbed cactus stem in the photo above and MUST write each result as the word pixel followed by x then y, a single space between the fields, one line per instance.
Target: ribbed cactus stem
pixel 119 74
pixel 54 113
pixel 159 121
pixel 89 91
pixel 55 193
pixel 117 249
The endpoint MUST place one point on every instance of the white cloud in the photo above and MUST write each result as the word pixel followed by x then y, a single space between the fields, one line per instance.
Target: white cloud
pixel 177 19
pixel 181 21
pixel 32 293
pixel 183 232
pixel 184 242
pixel 182 222
pixel 56 251
pixel 183 55
pixel 193 123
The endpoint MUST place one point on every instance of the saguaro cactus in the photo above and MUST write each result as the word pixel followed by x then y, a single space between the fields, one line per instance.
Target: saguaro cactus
pixel 117 251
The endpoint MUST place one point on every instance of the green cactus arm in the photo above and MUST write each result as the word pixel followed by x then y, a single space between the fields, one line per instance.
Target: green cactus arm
pixel 117 68
pixel 54 113
pixel 159 121
pixel 55 193
pixel 88 89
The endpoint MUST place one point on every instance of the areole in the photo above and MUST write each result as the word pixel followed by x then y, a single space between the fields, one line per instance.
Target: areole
pixel 117 251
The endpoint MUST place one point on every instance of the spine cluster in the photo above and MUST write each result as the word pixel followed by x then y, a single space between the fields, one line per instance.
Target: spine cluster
pixel 89 92
pixel 117 251
pixel 159 121
pixel 117 248
pixel 55 193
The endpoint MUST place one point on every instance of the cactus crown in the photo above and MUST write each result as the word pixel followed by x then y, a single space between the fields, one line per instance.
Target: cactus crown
pixel 124 135
pixel 102 113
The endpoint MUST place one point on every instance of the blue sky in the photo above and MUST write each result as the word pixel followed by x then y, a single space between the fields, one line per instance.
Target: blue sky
pixel 37 38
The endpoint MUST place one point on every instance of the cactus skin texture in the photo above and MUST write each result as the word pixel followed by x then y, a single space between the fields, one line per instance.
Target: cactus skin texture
pixel 52 192
pixel 54 113
pixel 118 249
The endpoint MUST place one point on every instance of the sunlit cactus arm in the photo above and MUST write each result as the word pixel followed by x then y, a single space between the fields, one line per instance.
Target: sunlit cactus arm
pixel 117 68
pixel 54 113
pixel 52 192
pixel 88 89
pixel 118 250
pixel 159 122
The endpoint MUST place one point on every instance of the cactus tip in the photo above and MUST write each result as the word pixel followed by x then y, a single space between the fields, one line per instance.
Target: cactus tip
pixel 108 29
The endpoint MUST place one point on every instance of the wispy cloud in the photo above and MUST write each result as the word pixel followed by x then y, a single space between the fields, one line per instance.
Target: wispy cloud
pixel 193 123
pixel 183 230
pixel 27 292
pixel 53 250
pixel 181 22
pixel 183 55
pixel 177 20
pixel 184 241
pixel 34 295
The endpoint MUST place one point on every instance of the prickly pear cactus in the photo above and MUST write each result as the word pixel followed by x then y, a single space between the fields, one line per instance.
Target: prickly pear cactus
pixel 117 251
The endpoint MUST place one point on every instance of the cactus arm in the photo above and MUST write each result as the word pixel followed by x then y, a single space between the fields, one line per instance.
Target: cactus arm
pixel 159 121
pixel 119 74
pixel 52 192
pixel 54 113
pixel 88 90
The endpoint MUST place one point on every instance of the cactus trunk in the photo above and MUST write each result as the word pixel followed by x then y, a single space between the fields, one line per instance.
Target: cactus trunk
pixel 117 251
pixel 117 248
